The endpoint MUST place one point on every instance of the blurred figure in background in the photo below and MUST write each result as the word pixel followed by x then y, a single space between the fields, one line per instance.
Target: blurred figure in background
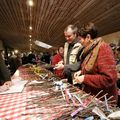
pixel 117 55
pixel 32 58
pixel 24 59
pixel 57 58
pixel 46 57
pixel 5 78
pixel 14 62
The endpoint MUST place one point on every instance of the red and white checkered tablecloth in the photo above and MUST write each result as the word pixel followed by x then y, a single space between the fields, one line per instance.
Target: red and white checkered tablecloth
pixel 13 106
pixel 17 107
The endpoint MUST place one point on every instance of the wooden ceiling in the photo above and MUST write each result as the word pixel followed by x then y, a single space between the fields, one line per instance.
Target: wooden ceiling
pixel 49 18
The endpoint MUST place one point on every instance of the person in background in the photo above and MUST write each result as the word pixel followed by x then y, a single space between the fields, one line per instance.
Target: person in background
pixel 57 58
pixel 5 78
pixel 72 50
pixel 24 59
pixel 46 57
pixel 116 51
pixel 117 56
pixel 14 62
pixel 54 52
pixel 98 66
pixel 32 58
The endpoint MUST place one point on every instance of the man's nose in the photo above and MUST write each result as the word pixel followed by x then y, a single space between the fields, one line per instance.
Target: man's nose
pixel 67 38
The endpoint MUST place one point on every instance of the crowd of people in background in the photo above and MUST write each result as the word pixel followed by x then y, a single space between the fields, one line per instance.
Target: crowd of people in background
pixel 17 59
pixel 116 51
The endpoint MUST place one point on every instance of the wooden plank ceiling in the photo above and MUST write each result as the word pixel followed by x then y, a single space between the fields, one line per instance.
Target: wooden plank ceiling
pixel 48 19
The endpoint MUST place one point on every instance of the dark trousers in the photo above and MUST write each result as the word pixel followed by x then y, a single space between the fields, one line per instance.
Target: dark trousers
pixel 69 75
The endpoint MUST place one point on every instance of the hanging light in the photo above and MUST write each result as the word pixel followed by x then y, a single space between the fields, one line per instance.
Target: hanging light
pixel 30 27
pixel 30 3
pixel 42 44
pixel 16 51
pixel 30 36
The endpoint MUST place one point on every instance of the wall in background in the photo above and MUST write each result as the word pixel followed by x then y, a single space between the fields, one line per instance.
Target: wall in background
pixel 112 38
pixel 1 45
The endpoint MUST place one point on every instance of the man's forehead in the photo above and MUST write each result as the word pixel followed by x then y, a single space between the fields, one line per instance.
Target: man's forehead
pixel 69 31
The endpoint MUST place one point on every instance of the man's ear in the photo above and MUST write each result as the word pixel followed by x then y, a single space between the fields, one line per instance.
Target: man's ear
pixel 88 37
pixel 76 35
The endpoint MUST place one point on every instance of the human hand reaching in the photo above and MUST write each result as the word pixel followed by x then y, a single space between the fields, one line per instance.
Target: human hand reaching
pixel 59 66
pixel 8 84
pixel 77 73
pixel 78 78
pixel 3 88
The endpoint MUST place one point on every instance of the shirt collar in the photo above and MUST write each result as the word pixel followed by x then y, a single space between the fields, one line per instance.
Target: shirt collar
pixel 74 41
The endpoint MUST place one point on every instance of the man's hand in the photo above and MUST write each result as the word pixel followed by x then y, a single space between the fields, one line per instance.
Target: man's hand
pixel 60 62
pixel 59 66
pixel 3 88
pixel 8 84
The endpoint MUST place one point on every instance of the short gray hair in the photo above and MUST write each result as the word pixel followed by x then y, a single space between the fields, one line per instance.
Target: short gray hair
pixel 73 28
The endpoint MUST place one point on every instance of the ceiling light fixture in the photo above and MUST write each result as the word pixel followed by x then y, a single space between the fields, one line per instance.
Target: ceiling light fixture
pixel 30 27
pixel 30 3
pixel 30 36
pixel 16 51
pixel 42 44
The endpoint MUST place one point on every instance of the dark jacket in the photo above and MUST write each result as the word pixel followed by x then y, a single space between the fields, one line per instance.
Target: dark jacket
pixel 4 72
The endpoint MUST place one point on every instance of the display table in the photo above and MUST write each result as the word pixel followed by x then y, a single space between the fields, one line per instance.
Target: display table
pixel 42 99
